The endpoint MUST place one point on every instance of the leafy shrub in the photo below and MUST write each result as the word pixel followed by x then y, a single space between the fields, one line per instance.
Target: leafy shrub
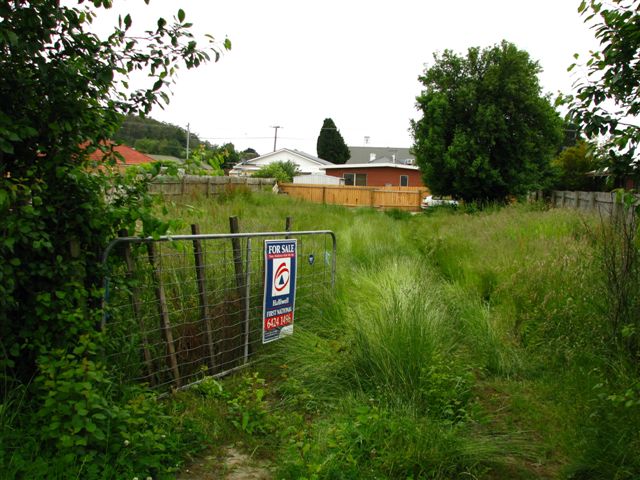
pixel 245 402
pixel 62 100
pixel 283 172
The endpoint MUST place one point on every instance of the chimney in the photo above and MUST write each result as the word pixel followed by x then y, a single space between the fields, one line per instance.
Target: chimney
pixel 372 157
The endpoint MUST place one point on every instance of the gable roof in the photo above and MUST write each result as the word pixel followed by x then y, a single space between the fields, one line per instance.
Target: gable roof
pixel 388 164
pixel 130 155
pixel 298 153
pixel 382 155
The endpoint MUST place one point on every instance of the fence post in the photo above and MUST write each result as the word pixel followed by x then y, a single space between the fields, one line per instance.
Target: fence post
pixel 164 314
pixel 287 226
pixel 324 195
pixel 247 302
pixel 202 293
pixel 135 304
pixel 234 227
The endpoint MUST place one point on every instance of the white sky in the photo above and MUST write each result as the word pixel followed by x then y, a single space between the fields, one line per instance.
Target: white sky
pixel 295 63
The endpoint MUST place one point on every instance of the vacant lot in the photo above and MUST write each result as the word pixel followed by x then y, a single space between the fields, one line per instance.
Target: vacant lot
pixel 481 345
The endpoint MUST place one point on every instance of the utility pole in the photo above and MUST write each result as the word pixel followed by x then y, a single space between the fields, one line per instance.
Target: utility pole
pixel 275 138
pixel 188 135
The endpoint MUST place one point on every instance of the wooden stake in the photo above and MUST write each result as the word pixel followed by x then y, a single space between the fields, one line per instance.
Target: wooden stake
pixel 234 227
pixel 165 324
pixel 202 294
pixel 135 304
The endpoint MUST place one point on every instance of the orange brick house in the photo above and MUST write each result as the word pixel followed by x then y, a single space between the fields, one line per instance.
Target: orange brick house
pixel 377 174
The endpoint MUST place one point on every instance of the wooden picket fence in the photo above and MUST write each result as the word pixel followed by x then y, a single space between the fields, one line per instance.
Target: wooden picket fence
pixel 401 198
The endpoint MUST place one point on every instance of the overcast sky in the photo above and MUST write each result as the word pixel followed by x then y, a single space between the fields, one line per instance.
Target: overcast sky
pixel 295 63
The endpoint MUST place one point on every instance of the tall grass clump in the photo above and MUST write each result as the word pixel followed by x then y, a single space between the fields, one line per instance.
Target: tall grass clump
pixel 399 334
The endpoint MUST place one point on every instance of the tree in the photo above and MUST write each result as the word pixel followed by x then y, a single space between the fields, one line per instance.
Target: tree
pixel 330 145
pixel 283 172
pixel 63 93
pixel 248 154
pixel 486 131
pixel 573 167
pixel 607 101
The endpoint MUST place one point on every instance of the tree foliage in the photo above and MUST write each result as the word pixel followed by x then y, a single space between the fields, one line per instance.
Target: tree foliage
pixel 151 136
pixel 283 172
pixel 574 167
pixel 486 130
pixel 330 145
pixel 63 93
pixel 607 101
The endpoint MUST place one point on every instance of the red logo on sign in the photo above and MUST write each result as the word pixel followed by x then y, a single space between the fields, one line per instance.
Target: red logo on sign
pixel 281 277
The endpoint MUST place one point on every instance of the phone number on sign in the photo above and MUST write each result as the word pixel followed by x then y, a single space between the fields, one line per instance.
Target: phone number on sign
pixel 278 321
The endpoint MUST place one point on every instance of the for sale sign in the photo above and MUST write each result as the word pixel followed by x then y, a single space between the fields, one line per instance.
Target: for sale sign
pixel 279 288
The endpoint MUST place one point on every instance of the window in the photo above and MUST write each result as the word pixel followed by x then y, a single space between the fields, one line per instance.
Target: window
pixel 349 178
pixel 404 180
pixel 358 179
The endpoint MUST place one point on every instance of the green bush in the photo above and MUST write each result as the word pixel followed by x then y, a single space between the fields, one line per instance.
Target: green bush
pixel 283 172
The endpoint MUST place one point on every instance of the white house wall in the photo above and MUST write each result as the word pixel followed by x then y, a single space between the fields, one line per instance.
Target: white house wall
pixel 318 179
pixel 304 165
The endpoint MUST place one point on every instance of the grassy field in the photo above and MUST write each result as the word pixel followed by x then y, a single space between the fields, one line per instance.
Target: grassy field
pixel 454 346
pixel 491 345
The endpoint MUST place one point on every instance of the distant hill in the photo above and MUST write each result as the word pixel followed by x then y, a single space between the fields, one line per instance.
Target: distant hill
pixel 152 137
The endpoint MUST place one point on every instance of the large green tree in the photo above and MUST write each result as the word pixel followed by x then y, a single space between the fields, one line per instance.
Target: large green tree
pixel 331 145
pixel 64 91
pixel 607 100
pixel 486 130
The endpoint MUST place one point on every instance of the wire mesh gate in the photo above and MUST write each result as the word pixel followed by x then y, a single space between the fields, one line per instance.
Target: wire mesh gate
pixel 181 307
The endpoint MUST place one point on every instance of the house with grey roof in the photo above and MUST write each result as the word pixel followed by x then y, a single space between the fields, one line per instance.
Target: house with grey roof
pixel 307 164
pixel 367 154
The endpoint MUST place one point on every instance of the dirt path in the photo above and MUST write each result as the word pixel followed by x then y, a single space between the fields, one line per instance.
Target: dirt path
pixel 232 464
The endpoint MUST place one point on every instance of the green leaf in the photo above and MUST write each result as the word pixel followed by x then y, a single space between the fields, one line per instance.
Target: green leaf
pixel 582 7
pixel 127 21
pixel 181 15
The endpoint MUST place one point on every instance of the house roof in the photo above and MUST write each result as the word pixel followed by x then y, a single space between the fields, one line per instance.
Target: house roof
pixel 130 155
pixel 381 155
pixel 170 158
pixel 304 155
pixel 371 165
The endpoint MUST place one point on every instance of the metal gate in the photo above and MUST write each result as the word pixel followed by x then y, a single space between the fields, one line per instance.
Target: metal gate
pixel 179 308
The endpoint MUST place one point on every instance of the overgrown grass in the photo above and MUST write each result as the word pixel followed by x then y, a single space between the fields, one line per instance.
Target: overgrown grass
pixel 454 345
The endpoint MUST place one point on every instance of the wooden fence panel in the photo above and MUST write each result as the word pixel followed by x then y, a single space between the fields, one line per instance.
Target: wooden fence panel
pixel 603 203
pixel 192 185
pixel 405 198
pixel 351 197
pixel 397 199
